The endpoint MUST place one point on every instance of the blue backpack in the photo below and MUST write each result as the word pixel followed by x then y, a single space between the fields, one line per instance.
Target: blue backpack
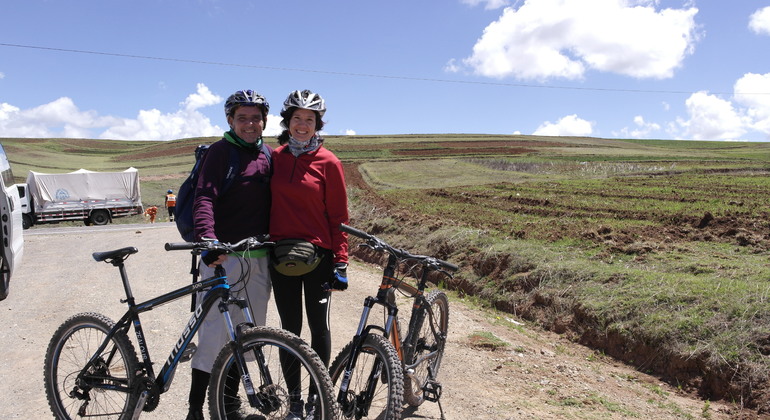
pixel 185 198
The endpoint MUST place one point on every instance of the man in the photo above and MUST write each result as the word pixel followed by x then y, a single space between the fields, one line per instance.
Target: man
pixel 170 204
pixel 229 215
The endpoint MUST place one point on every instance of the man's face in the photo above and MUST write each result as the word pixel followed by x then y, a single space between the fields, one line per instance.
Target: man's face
pixel 247 122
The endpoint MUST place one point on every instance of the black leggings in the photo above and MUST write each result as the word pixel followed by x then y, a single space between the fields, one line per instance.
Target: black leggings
pixel 287 291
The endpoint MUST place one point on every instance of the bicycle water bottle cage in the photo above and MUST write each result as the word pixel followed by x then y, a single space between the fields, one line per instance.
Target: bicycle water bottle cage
pixel 114 257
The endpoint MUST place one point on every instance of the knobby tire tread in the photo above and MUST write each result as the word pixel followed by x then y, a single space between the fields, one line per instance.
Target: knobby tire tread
pixel 382 349
pixel 71 346
pixel 413 388
pixel 272 340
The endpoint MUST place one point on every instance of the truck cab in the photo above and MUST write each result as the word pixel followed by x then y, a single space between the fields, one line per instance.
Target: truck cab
pixel 11 226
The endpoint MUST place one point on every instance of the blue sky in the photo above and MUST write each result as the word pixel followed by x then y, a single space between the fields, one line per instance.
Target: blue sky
pixel 161 69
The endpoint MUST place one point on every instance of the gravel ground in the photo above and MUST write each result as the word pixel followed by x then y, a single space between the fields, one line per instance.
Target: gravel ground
pixel 537 375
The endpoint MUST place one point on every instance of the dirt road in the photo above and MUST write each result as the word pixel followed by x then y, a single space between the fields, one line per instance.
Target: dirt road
pixel 538 375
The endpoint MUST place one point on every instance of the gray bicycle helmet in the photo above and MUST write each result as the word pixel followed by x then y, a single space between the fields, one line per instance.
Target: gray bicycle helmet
pixel 246 97
pixel 305 100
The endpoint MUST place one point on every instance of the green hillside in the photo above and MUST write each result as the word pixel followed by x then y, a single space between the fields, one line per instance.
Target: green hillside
pixel 652 251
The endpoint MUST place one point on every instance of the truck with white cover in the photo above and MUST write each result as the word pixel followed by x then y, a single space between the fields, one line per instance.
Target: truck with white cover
pixel 93 197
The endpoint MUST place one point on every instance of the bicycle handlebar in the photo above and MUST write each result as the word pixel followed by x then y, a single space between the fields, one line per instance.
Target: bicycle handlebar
pixel 380 245
pixel 242 245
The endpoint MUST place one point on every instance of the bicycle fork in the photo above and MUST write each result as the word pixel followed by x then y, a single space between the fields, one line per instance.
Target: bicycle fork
pixel 362 402
pixel 236 345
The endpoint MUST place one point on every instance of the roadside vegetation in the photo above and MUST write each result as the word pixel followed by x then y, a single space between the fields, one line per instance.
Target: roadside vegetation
pixel 653 252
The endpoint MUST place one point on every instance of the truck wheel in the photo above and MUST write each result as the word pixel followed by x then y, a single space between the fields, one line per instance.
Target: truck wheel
pixel 5 279
pixel 26 221
pixel 100 217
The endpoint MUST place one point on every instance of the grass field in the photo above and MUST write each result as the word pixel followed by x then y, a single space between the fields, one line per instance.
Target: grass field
pixel 654 252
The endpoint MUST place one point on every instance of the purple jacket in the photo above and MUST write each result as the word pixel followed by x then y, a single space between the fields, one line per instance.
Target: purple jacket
pixel 243 209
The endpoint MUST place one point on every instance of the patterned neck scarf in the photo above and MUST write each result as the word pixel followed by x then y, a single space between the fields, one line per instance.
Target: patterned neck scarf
pixel 297 147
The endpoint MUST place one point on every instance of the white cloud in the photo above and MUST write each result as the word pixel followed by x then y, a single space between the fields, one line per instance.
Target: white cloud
pixel 570 125
pixel 273 128
pixel 753 92
pixel 564 38
pixel 350 132
pixel 201 98
pixel 712 118
pixel 488 4
pixel 642 129
pixel 2 75
pixel 62 118
pixel 759 21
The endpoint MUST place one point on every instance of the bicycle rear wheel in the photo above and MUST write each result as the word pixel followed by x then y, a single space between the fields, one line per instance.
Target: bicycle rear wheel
pixel 425 344
pixel 71 347
pixel 284 370
pixel 377 365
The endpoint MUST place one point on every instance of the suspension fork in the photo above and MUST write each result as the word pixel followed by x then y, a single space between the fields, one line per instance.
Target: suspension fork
pixel 236 333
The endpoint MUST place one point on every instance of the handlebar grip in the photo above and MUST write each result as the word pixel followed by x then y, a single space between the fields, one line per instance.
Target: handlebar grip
pixel 174 246
pixel 353 231
pixel 449 266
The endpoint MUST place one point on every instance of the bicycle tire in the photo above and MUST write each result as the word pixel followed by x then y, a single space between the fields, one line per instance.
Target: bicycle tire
pixel 280 348
pixel 423 343
pixel 388 399
pixel 71 347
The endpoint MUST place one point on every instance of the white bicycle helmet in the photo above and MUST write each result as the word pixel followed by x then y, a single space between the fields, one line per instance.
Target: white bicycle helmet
pixel 246 97
pixel 305 100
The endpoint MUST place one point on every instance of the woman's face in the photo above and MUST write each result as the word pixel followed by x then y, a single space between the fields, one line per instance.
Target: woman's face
pixel 302 125
pixel 247 122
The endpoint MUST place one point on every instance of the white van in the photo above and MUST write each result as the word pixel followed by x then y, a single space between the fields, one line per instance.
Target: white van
pixel 11 227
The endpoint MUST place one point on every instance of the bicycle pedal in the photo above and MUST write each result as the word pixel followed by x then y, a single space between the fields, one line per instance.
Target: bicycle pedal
pixel 431 391
pixel 187 354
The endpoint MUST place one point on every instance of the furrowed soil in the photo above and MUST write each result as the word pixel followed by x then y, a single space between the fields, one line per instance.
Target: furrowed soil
pixel 528 374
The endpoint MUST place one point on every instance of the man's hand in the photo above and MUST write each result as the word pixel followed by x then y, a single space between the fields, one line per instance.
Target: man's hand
pixel 213 257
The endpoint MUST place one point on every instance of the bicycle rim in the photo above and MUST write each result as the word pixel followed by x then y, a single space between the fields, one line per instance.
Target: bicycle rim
pixel 387 399
pixel 71 347
pixel 292 376
pixel 425 345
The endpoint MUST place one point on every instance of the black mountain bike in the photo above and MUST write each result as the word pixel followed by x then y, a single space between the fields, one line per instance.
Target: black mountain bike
pixel 383 366
pixel 92 369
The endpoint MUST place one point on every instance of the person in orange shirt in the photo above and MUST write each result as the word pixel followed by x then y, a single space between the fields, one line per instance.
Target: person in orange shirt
pixel 170 204
pixel 152 212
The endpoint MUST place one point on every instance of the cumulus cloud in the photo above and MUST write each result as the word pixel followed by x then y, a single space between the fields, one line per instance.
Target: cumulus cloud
pixel 62 118
pixel 273 127
pixel 712 118
pixel 350 132
pixel 641 129
pixel 570 125
pixel 488 4
pixel 545 39
pixel 751 91
pixel 759 21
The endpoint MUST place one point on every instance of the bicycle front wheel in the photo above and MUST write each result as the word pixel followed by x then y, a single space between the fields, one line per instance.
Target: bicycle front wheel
pixel 376 383
pixel 423 354
pixel 287 375
pixel 105 391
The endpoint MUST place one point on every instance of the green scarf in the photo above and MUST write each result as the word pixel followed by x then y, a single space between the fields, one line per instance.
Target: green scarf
pixel 234 139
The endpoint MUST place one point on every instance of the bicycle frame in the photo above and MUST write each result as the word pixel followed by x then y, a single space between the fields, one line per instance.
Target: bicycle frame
pixel 389 281
pixel 220 290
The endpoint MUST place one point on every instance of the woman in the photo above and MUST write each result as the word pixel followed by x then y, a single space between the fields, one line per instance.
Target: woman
pixel 309 201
